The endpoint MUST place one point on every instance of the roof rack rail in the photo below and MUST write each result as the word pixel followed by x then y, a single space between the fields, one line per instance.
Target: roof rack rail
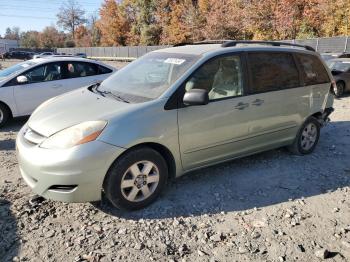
pixel 204 42
pixel 235 42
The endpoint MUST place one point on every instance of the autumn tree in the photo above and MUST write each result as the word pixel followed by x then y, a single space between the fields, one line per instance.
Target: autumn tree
pixel 338 18
pixel 51 38
pixel 70 16
pixel 82 36
pixel 95 32
pixel 224 20
pixel 112 24
pixel 180 21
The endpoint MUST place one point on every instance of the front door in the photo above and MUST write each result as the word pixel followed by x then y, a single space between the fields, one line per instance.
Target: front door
pixel 44 81
pixel 216 131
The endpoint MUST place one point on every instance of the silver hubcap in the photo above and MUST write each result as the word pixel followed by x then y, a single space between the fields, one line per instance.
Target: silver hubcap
pixel 1 116
pixel 309 136
pixel 140 181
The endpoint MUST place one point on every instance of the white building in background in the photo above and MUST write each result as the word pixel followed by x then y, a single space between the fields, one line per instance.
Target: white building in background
pixel 6 44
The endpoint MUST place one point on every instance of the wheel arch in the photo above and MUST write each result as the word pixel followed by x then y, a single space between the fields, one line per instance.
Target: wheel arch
pixel 317 115
pixel 342 81
pixel 161 149
pixel 8 108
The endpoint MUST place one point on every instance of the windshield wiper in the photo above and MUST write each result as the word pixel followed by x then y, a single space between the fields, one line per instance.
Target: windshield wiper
pixel 105 93
pixel 118 97
pixel 95 89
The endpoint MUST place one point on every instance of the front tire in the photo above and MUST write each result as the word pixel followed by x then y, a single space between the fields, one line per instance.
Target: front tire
pixel 136 179
pixel 4 115
pixel 307 138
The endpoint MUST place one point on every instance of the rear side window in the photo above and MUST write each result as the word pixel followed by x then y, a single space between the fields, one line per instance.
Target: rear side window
pixel 272 71
pixel 81 69
pixel 103 70
pixel 313 70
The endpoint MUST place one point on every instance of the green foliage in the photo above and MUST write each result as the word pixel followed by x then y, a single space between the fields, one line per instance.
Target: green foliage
pixel 30 39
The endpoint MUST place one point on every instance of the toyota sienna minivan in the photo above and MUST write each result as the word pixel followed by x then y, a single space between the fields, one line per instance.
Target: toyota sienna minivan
pixel 170 112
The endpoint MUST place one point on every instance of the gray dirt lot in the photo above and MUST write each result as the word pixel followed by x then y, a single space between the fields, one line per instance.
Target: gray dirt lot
pixel 269 207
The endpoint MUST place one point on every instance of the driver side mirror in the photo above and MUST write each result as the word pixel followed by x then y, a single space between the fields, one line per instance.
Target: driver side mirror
pixel 22 79
pixel 196 97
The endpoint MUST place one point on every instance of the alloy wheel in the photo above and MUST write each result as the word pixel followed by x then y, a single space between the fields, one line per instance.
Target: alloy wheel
pixel 309 136
pixel 140 181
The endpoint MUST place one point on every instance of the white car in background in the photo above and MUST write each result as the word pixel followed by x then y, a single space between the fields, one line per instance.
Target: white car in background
pixel 26 85
pixel 43 55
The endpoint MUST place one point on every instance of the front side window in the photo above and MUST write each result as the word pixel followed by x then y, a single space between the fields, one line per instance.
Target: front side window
pixel 221 77
pixel 44 73
pixel 313 70
pixel 14 69
pixel 272 71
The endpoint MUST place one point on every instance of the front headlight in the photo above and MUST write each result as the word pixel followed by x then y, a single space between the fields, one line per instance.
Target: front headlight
pixel 75 135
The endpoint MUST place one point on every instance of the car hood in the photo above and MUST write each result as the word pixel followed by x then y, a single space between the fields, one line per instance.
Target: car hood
pixel 73 108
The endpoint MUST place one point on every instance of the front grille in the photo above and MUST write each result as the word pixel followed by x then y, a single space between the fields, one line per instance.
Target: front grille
pixel 33 137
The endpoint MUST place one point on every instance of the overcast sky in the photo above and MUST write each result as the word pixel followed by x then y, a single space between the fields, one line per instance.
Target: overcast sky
pixel 36 14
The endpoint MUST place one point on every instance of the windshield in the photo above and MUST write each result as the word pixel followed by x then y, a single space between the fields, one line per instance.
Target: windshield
pixel 14 69
pixel 340 66
pixel 150 76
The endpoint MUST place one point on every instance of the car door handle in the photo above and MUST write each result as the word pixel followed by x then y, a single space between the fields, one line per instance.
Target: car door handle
pixel 257 102
pixel 241 106
pixel 57 86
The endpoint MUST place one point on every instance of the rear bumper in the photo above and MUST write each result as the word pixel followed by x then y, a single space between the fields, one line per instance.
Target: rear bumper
pixel 69 175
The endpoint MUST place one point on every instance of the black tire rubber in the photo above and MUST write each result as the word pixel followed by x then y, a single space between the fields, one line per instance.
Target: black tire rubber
pixel 339 91
pixel 115 174
pixel 6 114
pixel 296 147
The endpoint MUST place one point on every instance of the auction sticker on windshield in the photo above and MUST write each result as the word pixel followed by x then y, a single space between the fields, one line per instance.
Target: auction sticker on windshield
pixel 175 61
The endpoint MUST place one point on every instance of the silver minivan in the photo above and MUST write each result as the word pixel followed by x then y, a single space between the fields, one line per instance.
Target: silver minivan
pixel 173 111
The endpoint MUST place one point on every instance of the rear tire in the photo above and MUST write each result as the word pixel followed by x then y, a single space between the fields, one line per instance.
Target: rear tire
pixel 307 137
pixel 4 114
pixel 339 89
pixel 136 179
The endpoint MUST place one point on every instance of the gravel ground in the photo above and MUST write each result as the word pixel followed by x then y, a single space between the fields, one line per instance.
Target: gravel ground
pixel 269 207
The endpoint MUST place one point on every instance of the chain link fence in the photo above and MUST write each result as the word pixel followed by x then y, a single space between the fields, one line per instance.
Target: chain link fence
pixel 322 45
